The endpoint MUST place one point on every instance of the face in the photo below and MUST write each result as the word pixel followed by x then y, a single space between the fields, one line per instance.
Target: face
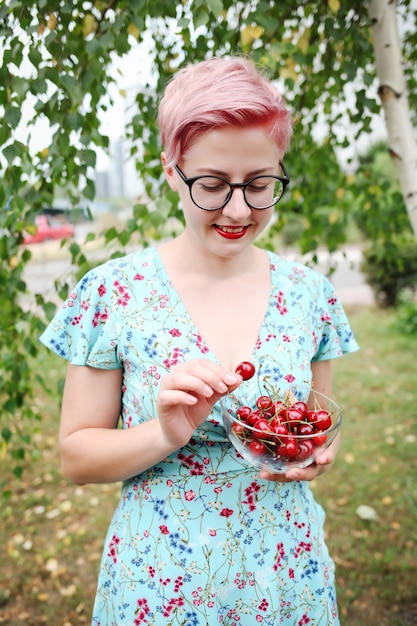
pixel 236 155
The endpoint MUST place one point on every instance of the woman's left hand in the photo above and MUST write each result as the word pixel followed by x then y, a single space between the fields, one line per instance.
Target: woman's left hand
pixel 323 462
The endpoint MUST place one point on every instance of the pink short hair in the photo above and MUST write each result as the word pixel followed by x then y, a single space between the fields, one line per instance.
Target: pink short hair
pixel 217 93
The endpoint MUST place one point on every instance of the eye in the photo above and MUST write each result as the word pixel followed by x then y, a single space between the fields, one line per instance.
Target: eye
pixel 257 187
pixel 212 184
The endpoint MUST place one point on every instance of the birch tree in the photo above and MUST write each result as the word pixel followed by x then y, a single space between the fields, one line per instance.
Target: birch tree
pixel 393 93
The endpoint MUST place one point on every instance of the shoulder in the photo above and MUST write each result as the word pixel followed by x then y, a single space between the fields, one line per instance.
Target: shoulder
pixel 136 266
pixel 294 270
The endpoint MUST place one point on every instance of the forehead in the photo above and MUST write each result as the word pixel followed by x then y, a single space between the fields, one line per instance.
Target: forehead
pixel 232 149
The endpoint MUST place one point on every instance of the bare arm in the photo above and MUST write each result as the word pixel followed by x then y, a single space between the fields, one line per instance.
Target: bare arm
pixel 94 450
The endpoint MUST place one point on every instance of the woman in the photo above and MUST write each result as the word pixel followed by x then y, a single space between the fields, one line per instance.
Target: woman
pixel 199 537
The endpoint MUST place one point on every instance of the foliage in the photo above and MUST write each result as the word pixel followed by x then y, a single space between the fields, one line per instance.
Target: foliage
pixel 378 206
pixel 406 315
pixel 59 62
pixel 391 268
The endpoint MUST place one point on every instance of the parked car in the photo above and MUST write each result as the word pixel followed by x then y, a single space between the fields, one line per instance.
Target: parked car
pixel 49 228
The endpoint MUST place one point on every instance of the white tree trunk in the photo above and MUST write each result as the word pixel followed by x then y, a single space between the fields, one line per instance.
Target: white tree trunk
pixel 393 94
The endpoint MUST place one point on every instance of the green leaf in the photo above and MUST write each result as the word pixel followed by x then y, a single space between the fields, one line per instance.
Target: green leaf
pixel 216 7
pixel 6 434
pixel 12 116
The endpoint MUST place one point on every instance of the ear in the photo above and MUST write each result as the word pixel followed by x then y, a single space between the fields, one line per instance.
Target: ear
pixel 170 173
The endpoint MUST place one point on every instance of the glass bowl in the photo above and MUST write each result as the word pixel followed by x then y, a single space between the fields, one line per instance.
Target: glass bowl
pixel 276 429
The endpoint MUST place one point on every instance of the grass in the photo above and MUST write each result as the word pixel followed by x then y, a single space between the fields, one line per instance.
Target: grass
pixel 52 532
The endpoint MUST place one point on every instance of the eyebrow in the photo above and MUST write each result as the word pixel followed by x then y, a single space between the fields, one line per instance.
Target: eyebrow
pixel 214 172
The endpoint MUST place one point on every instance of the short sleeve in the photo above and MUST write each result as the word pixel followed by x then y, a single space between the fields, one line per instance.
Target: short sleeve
pixel 85 329
pixel 334 336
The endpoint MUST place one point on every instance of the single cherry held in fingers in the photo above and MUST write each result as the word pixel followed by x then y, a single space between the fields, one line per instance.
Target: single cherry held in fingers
pixel 245 369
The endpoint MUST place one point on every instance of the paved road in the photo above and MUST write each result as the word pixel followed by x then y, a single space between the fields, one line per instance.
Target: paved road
pixel 349 283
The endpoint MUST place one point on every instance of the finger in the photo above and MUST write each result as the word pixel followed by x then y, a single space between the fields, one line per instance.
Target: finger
pixel 278 478
pixel 202 376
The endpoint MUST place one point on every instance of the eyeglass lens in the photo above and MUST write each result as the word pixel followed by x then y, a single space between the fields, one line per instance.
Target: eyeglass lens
pixel 210 192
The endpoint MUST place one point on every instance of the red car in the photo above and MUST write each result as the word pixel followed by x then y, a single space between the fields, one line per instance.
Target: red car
pixel 48 228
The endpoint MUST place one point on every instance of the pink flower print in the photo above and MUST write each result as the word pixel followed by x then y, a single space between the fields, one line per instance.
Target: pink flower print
pixel 263 606
pixel 280 303
pixel 70 303
pixel 226 512
pixel 142 612
pixel 286 339
pixel 124 295
pixel 164 529
pixel 289 378
pixel 123 300
pixel 84 305
pixel 76 320
pixel 280 555
pixel 174 332
pixel 115 540
pixel 138 277
pixel 291 572
pixel 326 317
pixel 101 290
pixel 315 341
pixel 332 301
pixel 212 532
pixel 190 495
pixel 200 344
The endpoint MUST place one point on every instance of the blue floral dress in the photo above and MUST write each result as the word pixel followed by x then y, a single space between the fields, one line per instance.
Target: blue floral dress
pixel 200 539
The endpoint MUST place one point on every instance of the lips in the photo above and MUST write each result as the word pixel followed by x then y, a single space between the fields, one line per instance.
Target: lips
pixel 230 232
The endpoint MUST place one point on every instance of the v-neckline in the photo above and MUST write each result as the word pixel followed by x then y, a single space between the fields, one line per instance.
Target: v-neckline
pixel 161 267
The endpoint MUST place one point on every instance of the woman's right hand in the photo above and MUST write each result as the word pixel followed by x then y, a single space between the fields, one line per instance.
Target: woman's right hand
pixel 187 395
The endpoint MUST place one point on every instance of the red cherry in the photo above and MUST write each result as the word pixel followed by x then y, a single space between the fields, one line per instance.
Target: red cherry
pixel 321 419
pixel 280 429
pixel 300 406
pixel 239 430
pixel 279 407
pixel 245 369
pixel 275 422
pixel 243 412
pixel 264 403
pixel 305 448
pixel 319 440
pixel 257 447
pixel 252 418
pixel 305 429
pixel 289 449
pixel 262 427
pixel 294 417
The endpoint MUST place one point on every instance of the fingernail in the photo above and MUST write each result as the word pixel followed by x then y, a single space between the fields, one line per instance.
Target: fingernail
pixel 208 391
pixel 221 387
pixel 293 475
pixel 230 379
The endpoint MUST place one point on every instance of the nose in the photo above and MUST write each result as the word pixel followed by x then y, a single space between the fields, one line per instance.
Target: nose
pixel 236 208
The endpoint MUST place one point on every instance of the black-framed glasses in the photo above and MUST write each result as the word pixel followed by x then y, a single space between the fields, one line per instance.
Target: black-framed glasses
pixel 211 193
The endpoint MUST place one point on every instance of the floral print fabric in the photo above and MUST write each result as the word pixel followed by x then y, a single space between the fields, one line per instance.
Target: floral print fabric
pixel 200 539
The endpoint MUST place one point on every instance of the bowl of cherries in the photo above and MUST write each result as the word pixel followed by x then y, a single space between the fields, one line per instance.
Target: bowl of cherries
pixel 278 428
